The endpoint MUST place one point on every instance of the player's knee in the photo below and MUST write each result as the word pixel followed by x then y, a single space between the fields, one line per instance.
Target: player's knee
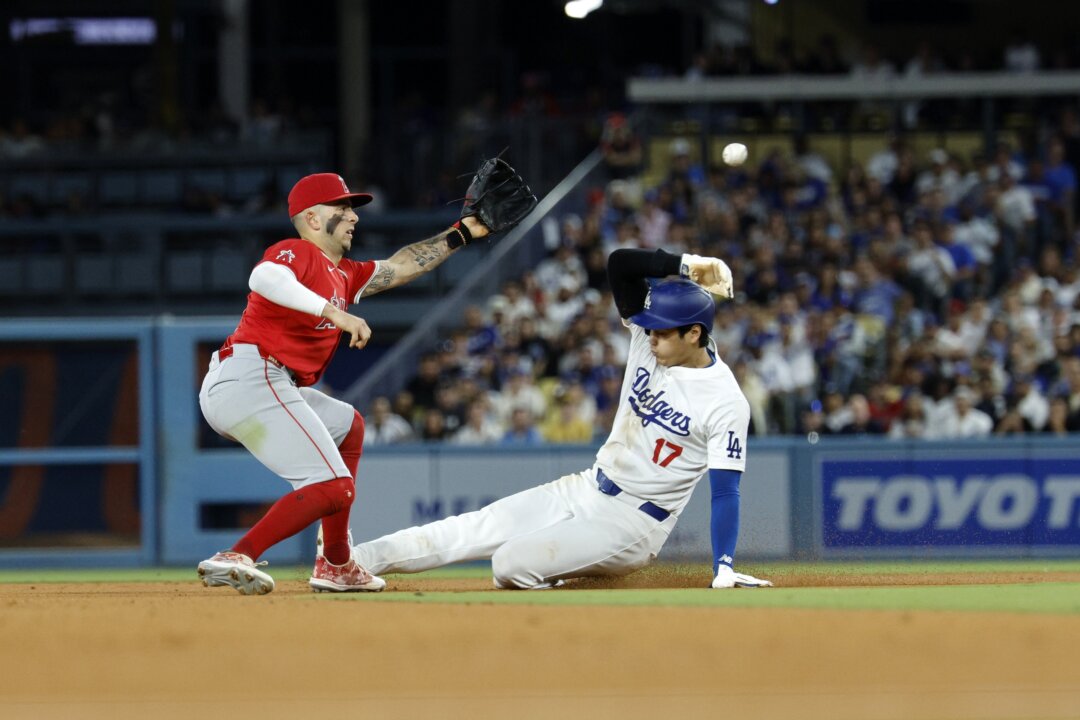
pixel 339 492
pixel 511 573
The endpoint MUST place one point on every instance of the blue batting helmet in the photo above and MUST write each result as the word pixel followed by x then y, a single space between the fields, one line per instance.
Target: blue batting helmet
pixel 674 303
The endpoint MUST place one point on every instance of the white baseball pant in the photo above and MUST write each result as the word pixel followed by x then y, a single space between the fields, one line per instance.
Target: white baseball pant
pixel 564 529
pixel 293 431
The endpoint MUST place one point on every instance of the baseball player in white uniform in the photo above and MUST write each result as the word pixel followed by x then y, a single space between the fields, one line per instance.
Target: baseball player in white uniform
pixel 681 416
pixel 258 387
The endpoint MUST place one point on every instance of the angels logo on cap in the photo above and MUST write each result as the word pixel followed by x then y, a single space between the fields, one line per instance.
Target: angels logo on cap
pixel 321 189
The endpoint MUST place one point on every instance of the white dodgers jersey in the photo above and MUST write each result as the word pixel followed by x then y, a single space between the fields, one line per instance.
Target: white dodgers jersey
pixel 673 424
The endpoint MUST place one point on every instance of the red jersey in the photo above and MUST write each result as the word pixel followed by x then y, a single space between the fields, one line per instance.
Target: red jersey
pixel 302 342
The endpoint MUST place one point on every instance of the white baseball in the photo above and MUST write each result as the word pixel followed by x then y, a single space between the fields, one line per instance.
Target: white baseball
pixel 734 154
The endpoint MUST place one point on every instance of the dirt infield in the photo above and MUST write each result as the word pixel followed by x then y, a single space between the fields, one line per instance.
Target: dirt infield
pixel 172 650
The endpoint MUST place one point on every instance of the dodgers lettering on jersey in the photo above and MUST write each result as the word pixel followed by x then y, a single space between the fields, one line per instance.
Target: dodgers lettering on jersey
pixel 302 342
pixel 672 425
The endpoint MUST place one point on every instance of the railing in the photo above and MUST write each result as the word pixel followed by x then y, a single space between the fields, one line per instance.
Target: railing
pixel 827 87
pixel 520 249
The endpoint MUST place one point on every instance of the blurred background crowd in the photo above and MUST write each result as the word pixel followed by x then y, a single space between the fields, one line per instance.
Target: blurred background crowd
pixel 911 290
pixel 911 297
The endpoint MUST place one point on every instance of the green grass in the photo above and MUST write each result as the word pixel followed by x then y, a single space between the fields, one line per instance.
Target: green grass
pixel 1048 597
pixel 1057 598
pixel 482 570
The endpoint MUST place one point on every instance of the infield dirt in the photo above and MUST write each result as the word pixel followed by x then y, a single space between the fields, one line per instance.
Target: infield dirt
pixel 172 650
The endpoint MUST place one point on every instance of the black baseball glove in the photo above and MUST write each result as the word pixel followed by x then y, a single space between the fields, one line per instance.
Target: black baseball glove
pixel 498 196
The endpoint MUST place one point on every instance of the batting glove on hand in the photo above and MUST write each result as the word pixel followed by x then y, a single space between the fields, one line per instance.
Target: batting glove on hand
pixel 713 274
pixel 728 578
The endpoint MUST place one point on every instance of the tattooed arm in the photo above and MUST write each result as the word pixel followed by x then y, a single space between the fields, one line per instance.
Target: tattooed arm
pixel 412 261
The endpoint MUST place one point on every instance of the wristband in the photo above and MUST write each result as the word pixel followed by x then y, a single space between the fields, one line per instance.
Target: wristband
pixel 684 266
pixel 458 235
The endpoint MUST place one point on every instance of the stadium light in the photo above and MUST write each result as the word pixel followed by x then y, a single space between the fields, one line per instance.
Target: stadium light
pixel 578 9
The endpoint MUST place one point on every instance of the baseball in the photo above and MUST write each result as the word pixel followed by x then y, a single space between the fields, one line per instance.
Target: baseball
pixel 734 154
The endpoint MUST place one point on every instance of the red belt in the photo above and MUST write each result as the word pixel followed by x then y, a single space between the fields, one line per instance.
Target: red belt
pixel 227 351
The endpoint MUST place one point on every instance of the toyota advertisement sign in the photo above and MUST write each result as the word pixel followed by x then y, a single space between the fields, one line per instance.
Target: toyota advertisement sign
pixel 990 502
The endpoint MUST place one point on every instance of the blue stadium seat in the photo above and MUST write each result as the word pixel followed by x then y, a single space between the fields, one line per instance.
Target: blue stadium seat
pixel 118 188
pixel 208 180
pixel 66 184
pixel 93 274
pixel 44 275
pixel 229 270
pixel 247 183
pixel 184 272
pixel 35 185
pixel 162 187
pixel 137 274
pixel 11 276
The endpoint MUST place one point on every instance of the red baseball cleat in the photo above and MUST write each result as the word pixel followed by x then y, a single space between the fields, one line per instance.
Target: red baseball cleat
pixel 350 577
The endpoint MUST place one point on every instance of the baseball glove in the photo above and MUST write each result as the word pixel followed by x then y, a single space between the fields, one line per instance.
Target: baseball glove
pixel 498 196
pixel 713 274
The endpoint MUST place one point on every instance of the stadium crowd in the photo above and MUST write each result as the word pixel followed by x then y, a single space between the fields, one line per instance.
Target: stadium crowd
pixel 913 297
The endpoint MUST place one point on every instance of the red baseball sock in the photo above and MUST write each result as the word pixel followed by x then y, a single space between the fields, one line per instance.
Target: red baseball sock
pixel 294 512
pixel 336 527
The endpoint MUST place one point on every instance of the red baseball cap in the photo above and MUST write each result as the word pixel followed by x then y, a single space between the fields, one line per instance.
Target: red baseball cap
pixel 320 189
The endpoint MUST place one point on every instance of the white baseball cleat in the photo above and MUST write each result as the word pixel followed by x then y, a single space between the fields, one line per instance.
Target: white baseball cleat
pixel 350 577
pixel 728 578
pixel 235 570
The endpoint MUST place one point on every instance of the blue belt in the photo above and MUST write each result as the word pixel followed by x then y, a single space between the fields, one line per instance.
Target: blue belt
pixel 610 488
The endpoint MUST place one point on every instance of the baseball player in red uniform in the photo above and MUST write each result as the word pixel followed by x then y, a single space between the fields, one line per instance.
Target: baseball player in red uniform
pixel 258 390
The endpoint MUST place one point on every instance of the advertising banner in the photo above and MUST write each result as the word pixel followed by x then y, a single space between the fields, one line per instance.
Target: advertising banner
pixel 995 502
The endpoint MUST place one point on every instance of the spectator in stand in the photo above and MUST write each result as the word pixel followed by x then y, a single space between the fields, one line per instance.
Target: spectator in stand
pixel 20 142
pixel 620 147
pixel 861 422
pixel 518 391
pixel 1021 54
pixel 980 235
pixel 653 222
pixel 1058 421
pixel 912 423
pixel 960 419
pixel 563 269
pixel 1030 403
pixel 607 398
pixel 522 430
pixel 963 281
pixel 433 428
pixel 479 428
pixel 483 336
pixel 424 384
pixel 566 425
pixel 1060 178
pixel 448 402
pixel 385 427
pixel 518 306
pixel 940 176
pixel 930 271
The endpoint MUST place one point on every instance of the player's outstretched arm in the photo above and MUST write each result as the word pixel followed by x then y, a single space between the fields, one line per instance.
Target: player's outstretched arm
pixel 627 272
pixel 412 261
